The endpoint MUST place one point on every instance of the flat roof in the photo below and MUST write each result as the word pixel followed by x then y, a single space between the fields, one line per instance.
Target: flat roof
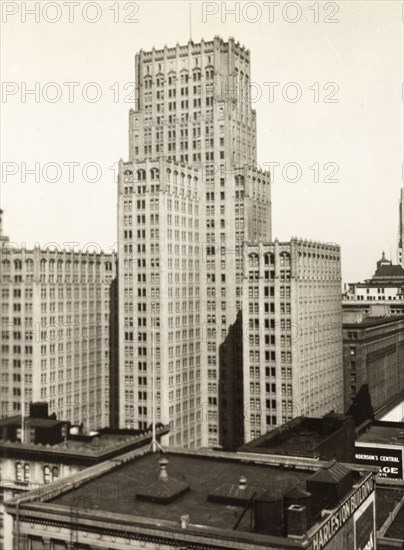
pixel 381 432
pixel 116 490
pixel 31 421
pixel 297 442
pixel 101 446
pixel 298 437
pixel 371 321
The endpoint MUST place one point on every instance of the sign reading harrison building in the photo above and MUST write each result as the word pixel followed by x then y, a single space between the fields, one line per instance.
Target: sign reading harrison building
pixel 342 515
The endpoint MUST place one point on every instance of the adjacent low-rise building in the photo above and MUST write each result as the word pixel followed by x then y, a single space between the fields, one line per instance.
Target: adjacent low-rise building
pixel 373 363
pixel 385 287
pixel 381 444
pixel 330 437
pixel 39 449
pixel 201 500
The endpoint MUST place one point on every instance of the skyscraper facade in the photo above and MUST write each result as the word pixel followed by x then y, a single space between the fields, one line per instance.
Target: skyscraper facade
pixel 189 196
pixel 57 343
pixel 292 337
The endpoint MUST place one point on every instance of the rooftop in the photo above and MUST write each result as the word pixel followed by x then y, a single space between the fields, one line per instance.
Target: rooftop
pixel 301 436
pixel 368 322
pixel 84 449
pixel 116 490
pixel 192 496
pixel 29 421
pixel 383 432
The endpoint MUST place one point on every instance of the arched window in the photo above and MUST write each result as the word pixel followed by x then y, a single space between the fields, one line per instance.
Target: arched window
pixel 141 175
pixel 17 264
pixel 253 260
pixel 19 472
pixel 172 78
pixel 27 471
pixel 184 76
pixel 285 259
pixel 147 82
pixel 168 174
pixel 269 259
pixel 154 173
pixel 209 73
pixel 55 473
pixel 46 474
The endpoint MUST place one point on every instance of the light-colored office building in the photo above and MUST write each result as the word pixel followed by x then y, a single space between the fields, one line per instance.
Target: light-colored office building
pixel 292 335
pixel 57 341
pixel 189 196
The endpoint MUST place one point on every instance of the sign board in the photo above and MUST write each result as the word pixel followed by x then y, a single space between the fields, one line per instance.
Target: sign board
pixel 364 525
pixel 350 507
pixel 388 458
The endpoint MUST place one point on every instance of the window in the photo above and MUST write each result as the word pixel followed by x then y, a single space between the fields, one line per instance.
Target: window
pixel 55 473
pixel 27 471
pixel 46 474
pixel 18 471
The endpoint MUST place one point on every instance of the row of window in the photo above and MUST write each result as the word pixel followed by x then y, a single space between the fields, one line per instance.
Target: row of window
pixel 23 472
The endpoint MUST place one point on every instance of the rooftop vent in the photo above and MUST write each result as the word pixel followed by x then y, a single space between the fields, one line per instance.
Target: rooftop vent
pixel 184 521
pixel 235 494
pixel 165 490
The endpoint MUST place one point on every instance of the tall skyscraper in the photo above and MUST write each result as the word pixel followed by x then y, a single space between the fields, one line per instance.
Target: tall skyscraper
pixel 189 196
pixel 292 344
pixel 57 343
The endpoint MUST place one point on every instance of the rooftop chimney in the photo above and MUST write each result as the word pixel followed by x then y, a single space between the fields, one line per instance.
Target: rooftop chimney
pixel 296 520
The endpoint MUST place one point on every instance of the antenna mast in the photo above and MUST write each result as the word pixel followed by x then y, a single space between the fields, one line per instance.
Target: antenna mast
pixel 190 21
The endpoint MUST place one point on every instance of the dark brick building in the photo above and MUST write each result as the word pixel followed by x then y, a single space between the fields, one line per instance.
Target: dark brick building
pixel 373 363
pixel 332 436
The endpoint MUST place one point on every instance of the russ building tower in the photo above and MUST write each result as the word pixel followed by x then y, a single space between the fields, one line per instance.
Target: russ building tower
pixel 188 197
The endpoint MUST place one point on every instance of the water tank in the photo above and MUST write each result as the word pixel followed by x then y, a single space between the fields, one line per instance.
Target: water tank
pixel 268 514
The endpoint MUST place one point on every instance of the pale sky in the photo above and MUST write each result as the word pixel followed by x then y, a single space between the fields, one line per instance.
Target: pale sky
pixel 359 59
